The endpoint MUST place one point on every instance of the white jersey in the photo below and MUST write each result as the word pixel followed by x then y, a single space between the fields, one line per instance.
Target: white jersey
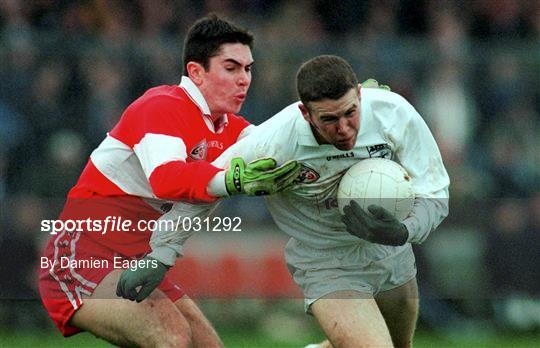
pixel 389 127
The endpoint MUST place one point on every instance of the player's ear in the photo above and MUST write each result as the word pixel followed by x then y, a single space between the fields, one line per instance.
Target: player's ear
pixel 359 90
pixel 195 72
pixel 305 112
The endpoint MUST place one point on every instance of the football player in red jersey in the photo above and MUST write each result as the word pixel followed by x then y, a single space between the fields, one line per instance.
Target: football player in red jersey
pixel 159 152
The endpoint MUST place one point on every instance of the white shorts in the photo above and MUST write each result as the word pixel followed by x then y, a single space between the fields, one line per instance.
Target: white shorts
pixel 364 267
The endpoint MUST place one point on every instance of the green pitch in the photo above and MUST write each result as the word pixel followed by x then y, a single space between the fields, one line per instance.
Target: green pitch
pixel 237 339
pixel 242 323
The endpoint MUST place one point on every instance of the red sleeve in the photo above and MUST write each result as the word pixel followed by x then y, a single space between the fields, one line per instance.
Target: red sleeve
pixel 159 129
pixel 190 181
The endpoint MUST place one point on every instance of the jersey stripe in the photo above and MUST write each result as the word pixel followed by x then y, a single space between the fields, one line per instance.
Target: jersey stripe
pixel 118 163
pixel 156 149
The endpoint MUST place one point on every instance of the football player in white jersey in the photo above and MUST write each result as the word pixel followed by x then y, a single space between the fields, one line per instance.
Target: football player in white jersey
pixel 357 271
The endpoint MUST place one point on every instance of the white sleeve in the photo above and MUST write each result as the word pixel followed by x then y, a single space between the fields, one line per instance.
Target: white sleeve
pixel 246 131
pixel 252 146
pixel 426 216
pixel 175 227
pixel 419 154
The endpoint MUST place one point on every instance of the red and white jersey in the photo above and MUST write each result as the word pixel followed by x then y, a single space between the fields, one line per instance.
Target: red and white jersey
pixel 161 148
pixel 160 151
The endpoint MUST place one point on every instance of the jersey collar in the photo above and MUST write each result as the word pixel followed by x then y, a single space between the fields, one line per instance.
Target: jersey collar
pixel 305 134
pixel 196 96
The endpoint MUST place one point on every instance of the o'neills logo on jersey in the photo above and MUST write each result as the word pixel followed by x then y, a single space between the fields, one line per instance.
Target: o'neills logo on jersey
pixel 216 144
pixel 307 175
pixel 340 156
pixel 380 151
pixel 199 151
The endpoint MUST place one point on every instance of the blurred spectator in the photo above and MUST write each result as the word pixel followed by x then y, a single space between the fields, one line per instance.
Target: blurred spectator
pixel 14 131
pixel 534 232
pixel 413 18
pixel 160 61
pixel 54 174
pixel 107 80
pixel 449 110
pixel 45 108
pixel 19 243
pixel 18 65
pixel 447 30
pixel 13 127
pixel 512 249
pixel 3 177
pixel 513 150
pixel 340 17
pixel 507 83
pixel 501 19
pixel 512 258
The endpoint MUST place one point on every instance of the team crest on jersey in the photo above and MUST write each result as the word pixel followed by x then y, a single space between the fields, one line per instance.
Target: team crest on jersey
pixel 199 151
pixel 307 175
pixel 380 151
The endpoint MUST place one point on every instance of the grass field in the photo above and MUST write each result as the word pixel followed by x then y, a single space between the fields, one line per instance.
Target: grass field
pixel 250 339
pixel 245 323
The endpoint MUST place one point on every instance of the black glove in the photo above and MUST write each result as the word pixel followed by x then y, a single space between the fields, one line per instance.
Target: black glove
pixel 381 228
pixel 148 278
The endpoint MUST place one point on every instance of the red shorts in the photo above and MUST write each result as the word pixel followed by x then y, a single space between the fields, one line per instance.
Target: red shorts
pixel 80 264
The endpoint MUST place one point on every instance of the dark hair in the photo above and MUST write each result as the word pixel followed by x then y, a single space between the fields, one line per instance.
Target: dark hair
pixel 205 37
pixel 324 77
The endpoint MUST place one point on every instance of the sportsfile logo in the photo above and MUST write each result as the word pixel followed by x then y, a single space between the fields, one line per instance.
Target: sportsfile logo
pixel 112 224
pixel 101 226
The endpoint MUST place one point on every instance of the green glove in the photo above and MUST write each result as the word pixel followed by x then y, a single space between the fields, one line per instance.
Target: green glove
pixel 148 278
pixel 260 177
pixel 381 228
pixel 372 83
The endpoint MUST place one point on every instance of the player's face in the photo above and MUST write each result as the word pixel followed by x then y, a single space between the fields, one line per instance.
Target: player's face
pixel 226 82
pixel 335 122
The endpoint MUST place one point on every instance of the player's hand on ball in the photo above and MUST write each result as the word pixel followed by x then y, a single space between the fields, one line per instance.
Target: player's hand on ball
pixel 372 83
pixel 260 177
pixel 148 278
pixel 380 227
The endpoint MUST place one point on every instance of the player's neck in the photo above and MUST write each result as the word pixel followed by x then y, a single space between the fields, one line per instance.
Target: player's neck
pixel 215 116
pixel 216 119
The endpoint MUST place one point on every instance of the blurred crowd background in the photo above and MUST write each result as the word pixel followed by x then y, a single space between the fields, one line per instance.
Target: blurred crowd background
pixel 471 68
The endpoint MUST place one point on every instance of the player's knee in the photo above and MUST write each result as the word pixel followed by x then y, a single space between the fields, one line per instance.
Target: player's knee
pixel 175 340
pixel 203 334
pixel 163 338
pixel 173 331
